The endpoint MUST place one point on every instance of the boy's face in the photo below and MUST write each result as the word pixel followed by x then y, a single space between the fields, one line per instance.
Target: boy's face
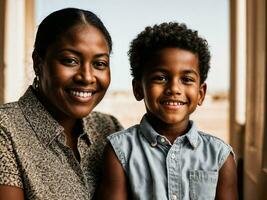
pixel 170 86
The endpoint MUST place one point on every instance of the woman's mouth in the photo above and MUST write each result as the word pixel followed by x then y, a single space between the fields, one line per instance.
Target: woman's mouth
pixel 81 94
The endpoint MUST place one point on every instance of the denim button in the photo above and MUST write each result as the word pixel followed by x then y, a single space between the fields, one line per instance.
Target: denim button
pixel 153 144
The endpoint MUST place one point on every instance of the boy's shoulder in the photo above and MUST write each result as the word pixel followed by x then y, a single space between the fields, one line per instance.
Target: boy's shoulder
pixel 127 133
pixel 209 138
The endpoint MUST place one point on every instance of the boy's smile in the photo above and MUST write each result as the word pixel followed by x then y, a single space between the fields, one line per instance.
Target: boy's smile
pixel 171 89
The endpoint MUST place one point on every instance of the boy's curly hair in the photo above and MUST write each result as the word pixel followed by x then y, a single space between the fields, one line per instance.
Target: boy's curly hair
pixel 165 35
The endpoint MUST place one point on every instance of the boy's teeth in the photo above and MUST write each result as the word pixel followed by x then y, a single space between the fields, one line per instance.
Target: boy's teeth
pixel 81 94
pixel 173 103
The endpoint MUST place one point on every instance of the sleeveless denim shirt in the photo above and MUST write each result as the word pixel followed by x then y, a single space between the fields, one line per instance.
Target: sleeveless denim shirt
pixel 159 170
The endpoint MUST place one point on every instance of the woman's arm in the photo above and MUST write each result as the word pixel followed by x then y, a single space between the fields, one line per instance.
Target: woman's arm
pixel 9 171
pixel 227 183
pixel 11 193
pixel 113 185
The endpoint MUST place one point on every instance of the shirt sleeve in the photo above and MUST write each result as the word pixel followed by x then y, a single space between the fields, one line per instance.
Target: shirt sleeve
pixel 225 152
pixel 116 141
pixel 9 169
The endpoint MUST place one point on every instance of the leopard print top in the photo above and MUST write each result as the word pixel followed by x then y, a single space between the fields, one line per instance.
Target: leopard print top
pixel 34 157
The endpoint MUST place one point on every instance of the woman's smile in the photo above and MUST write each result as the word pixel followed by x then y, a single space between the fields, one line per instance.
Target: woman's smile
pixel 82 96
pixel 76 72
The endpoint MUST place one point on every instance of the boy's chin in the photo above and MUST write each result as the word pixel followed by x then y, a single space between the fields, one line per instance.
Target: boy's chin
pixel 170 120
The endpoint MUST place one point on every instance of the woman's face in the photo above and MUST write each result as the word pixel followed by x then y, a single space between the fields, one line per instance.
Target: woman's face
pixel 75 73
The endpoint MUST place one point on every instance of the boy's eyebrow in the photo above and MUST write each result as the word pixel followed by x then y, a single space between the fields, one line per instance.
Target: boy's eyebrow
pixel 190 71
pixel 185 71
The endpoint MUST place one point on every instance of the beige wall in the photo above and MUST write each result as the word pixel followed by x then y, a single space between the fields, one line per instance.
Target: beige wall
pixel 17 25
pixel 248 124
pixel 2 39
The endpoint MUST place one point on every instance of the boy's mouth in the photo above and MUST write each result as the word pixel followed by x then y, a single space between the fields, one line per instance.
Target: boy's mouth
pixel 173 103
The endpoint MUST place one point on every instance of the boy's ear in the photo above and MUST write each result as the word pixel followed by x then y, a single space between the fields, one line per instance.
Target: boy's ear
pixel 137 90
pixel 202 93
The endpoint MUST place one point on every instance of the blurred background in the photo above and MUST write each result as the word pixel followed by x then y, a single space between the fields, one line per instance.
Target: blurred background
pixel 235 107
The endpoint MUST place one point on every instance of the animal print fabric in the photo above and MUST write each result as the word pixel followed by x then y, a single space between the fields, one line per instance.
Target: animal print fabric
pixel 34 157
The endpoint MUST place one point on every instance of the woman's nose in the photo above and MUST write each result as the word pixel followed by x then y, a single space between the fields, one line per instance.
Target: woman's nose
pixel 85 75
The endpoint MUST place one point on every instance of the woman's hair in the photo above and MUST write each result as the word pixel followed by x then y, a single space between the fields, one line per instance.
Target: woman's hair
pixel 59 22
pixel 153 39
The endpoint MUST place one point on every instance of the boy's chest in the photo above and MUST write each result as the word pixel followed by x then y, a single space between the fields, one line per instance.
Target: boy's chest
pixel 176 172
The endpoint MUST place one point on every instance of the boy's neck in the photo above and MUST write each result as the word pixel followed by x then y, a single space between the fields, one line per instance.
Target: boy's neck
pixel 171 132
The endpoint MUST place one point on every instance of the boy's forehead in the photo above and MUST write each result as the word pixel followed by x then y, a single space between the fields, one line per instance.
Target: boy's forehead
pixel 172 57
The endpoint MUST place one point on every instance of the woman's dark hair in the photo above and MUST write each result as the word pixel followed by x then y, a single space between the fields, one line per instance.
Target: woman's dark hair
pixel 58 22
pixel 165 35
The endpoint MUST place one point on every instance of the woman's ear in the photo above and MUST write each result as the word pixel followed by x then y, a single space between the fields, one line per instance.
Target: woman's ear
pixel 137 89
pixel 36 62
pixel 202 93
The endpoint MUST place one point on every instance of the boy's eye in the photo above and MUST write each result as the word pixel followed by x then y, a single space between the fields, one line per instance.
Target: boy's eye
pixel 69 61
pixel 187 80
pixel 100 64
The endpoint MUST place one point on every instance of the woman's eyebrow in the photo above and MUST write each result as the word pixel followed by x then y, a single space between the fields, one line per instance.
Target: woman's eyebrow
pixel 102 55
pixel 80 53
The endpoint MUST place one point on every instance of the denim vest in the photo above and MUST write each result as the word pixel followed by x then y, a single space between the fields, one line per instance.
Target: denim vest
pixel 159 170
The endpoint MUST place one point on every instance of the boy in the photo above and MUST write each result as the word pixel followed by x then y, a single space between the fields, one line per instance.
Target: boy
pixel 165 156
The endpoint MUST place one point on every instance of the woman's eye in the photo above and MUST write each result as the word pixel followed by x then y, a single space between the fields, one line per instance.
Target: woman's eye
pixel 69 61
pixel 101 65
pixel 159 78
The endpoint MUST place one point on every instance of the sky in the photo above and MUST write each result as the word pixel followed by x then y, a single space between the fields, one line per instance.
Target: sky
pixel 124 19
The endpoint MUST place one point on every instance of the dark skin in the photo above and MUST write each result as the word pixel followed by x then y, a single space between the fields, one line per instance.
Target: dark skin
pixel 11 193
pixel 174 77
pixel 113 184
pixel 74 76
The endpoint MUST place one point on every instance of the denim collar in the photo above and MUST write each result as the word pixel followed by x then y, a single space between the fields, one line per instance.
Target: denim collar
pixel 151 135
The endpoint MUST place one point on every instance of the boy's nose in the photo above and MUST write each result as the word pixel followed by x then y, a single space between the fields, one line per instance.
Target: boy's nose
pixel 174 87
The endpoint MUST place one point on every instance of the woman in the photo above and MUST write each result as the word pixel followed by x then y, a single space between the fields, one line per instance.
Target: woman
pixel 51 142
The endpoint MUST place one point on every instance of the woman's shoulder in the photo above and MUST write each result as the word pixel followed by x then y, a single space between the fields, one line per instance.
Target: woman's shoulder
pixel 103 122
pixel 100 116
pixel 10 113
pixel 11 121
pixel 9 108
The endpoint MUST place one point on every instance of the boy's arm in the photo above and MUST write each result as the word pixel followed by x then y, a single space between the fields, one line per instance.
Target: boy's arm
pixel 113 185
pixel 227 182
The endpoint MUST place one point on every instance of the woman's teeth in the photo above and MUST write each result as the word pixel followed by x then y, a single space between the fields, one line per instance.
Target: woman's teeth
pixel 81 94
